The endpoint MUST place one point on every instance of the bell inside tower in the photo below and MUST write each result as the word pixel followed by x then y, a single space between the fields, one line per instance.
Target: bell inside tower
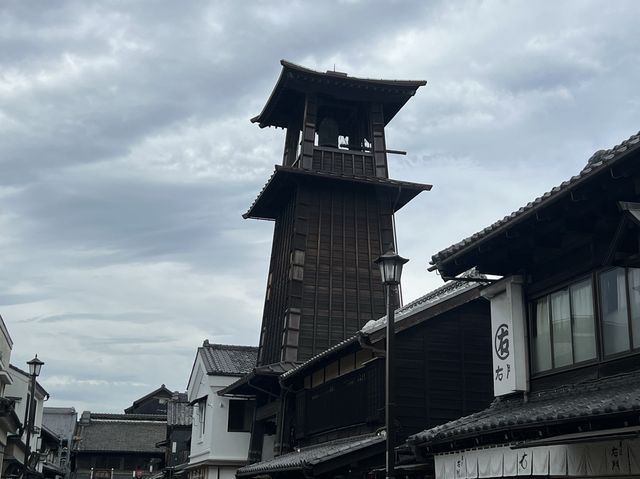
pixel 328 132
pixel 345 127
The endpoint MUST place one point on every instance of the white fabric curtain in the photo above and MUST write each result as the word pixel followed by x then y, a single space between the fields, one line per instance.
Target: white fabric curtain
pixel 613 298
pixel 561 325
pixel 584 337
pixel 542 337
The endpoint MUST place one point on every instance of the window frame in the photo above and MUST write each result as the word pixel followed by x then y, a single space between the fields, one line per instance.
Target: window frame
pixel 202 417
pixel 632 350
pixel 248 404
pixel 600 357
pixel 531 317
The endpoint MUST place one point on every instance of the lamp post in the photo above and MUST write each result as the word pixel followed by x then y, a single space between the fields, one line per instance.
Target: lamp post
pixel 35 365
pixel 390 265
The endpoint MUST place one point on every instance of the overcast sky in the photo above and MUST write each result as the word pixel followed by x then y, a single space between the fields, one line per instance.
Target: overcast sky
pixel 127 156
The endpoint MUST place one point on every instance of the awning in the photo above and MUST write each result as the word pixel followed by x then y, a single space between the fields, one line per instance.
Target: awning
pixel 259 379
pixel 598 457
pixel 198 399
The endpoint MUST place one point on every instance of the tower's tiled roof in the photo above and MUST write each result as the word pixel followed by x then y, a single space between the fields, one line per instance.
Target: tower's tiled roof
pixel 295 79
pixel 265 206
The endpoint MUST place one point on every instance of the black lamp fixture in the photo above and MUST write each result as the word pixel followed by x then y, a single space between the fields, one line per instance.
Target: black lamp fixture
pixel 390 265
pixel 35 365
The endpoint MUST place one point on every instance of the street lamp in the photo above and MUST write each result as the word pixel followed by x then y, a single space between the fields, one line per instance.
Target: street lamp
pixel 35 366
pixel 390 265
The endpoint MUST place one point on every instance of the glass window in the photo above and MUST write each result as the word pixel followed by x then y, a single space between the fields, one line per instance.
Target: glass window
pixel 584 334
pixel 240 415
pixel 541 337
pixel 202 416
pixel 613 305
pixel 561 328
pixel 634 302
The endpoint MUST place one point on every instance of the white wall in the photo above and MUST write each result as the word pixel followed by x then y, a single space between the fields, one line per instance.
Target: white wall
pixel 217 443
pixel 5 356
pixel 20 389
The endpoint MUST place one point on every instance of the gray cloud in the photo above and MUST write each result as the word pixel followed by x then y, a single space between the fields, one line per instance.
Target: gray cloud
pixel 127 157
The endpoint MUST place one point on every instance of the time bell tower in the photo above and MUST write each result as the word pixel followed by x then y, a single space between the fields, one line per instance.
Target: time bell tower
pixel 333 203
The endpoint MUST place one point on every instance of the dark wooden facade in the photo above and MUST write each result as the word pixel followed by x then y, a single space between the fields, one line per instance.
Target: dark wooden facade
pixel 443 372
pixel 577 232
pixel 153 403
pixel 333 206
pixel 576 253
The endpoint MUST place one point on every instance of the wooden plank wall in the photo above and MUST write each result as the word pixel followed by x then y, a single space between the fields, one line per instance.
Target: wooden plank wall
pixel 444 368
pixel 343 162
pixel 277 299
pixel 341 289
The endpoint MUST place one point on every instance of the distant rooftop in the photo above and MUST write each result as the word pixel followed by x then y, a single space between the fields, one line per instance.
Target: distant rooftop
pixel 59 410
pixel 179 412
pixel 228 360
pixel 102 432
pixel 162 391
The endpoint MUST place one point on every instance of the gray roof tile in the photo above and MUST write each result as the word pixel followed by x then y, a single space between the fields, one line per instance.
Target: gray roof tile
pixel 179 412
pixel 310 456
pixel 228 360
pixel 121 435
pixel 282 174
pixel 587 400
pixel 445 292
pixel 266 371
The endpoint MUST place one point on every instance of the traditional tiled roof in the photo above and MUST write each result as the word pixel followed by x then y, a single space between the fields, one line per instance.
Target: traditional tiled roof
pixel 437 296
pixel 276 369
pixel 599 161
pixel 228 360
pixel 282 177
pixel 50 434
pixel 594 399
pixel 323 354
pixel 295 78
pixel 161 391
pixel 121 435
pixel 267 372
pixel 308 457
pixel 179 412
pixel 128 417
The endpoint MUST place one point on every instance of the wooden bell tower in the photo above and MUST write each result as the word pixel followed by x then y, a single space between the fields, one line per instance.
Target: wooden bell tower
pixel 333 203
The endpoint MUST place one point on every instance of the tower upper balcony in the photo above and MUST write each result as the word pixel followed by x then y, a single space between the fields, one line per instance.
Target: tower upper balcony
pixel 335 123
